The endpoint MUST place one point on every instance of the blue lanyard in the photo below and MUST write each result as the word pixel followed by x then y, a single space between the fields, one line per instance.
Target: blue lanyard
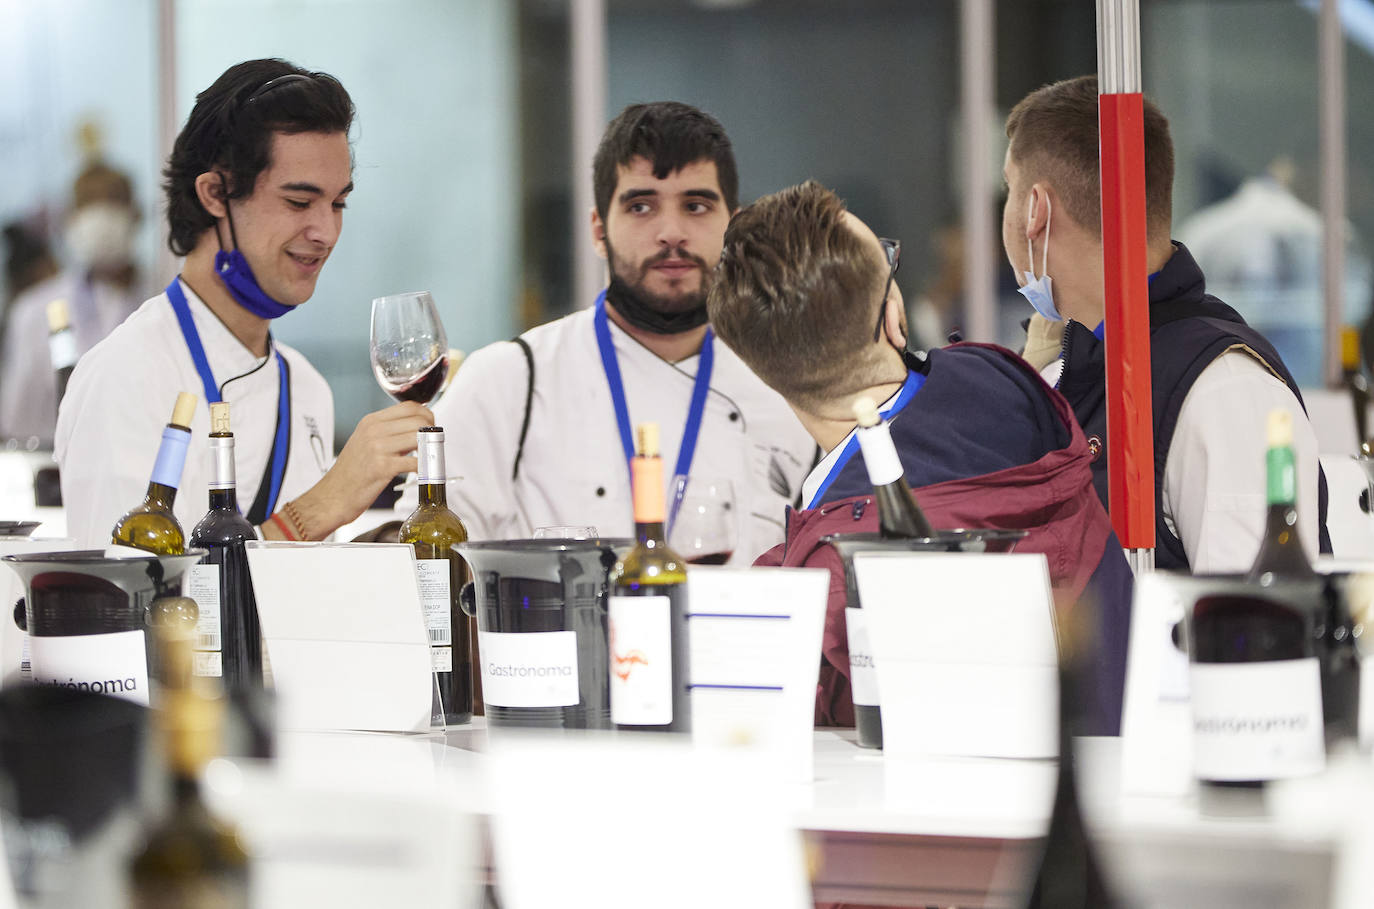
pixel 281 441
pixel 695 411
pixel 913 383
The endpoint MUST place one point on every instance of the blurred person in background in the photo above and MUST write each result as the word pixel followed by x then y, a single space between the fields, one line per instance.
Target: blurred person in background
pixel 99 286
pixel 539 428
pixel 1261 247
pixel 256 188
pixel 1214 379
pixel 28 260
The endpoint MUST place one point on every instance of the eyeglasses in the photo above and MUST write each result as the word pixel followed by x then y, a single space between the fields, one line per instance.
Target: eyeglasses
pixel 893 250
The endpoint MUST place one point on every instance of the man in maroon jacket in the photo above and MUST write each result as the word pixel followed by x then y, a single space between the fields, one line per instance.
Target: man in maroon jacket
pixel 804 294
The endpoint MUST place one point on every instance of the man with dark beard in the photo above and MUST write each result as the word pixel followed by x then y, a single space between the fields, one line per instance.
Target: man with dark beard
pixel 540 428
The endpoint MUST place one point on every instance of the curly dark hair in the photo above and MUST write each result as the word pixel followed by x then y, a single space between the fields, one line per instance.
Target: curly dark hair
pixel 670 135
pixel 230 129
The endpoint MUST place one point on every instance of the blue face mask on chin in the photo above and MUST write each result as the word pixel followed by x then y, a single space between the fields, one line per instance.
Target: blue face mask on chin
pixel 233 271
pixel 236 276
pixel 1040 291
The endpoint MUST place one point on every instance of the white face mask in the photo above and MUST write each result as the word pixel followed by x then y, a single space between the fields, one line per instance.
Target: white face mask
pixel 101 235
pixel 1039 291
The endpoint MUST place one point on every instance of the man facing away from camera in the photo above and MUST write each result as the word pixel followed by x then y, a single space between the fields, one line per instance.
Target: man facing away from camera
pixel 804 294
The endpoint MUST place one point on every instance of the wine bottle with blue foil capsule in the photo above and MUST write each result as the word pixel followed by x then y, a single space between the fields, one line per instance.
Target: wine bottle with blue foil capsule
pixel 151 525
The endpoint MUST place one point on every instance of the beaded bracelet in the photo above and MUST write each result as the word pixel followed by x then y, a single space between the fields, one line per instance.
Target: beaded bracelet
pixel 292 515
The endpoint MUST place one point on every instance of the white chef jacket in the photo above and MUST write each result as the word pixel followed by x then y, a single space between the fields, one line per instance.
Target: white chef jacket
pixel 573 470
pixel 121 394
pixel 28 384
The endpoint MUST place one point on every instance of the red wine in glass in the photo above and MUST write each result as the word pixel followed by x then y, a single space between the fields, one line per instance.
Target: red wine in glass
pixel 709 558
pixel 424 388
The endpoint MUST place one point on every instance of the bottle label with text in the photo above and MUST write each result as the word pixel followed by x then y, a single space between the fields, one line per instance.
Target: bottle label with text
pixel 435 600
pixel 530 669
pixel 202 585
pixel 641 661
pixel 1257 721
pixel 863 678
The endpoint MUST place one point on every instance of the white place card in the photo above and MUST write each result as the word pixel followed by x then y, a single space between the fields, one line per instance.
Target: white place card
pixel 587 822
pixel 1157 720
pixel 345 634
pixel 755 651
pixel 964 647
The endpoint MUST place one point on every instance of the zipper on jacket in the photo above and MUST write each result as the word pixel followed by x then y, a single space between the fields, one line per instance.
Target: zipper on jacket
pixel 1064 347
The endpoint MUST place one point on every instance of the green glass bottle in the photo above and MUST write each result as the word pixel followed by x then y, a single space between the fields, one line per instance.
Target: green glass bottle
pixel 435 531
pixel 189 857
pixel 650 673
pixel 151 525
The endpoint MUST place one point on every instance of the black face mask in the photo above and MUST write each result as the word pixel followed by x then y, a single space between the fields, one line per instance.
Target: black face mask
pixel 640 314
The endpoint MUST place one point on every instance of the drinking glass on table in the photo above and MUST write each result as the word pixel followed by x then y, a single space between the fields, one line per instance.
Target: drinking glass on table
pixel 410 355
pixel 703 522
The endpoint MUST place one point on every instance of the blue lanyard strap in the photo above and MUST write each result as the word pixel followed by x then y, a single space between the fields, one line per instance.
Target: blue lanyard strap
pixel 281 441
pixel 700 388
pixel 913 383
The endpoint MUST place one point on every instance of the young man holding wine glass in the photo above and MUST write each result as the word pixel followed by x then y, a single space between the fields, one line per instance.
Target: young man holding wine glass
pixel 539 428
pixel 805 294
pixel 1213 378
pixel 256 187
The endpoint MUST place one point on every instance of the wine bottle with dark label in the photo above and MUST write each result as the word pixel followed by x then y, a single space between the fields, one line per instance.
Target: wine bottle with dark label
pixel 650 673
pixel 899 517
pixel 189 857
pixel 1255 676
pixel 228 637
pixel 151 525
pixel 434 531
pixel 62 349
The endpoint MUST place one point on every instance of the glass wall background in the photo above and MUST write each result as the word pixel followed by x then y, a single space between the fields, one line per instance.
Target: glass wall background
pixel 463 149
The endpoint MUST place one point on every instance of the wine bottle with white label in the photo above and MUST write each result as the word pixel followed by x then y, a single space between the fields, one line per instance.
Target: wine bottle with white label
pixel 1255 677
pixel 434 531
pixel 151 525
pixel 650 674
pixel 899 517
pixel 228 637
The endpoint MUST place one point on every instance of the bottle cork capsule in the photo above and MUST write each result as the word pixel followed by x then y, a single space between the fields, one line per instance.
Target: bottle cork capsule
pixel 185 409
pixel 1350 348
pixel 58 317
pixel 1280 428
pixel 647 435
pixel 866 411
pixel 219 418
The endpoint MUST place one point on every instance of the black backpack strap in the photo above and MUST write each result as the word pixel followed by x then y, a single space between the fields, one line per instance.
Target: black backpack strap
pixel 529 400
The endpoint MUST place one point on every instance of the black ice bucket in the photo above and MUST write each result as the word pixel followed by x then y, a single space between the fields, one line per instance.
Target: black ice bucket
pixel 541 620
pixel 868 716
pixel 86 616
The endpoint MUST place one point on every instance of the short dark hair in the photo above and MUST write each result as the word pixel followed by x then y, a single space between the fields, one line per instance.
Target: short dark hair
pixel 669 135
pixel 231 128
pixel 796 294
pixel 1054 136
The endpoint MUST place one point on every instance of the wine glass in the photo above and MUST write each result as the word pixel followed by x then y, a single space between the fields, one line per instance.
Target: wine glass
pixel 703 522
pixel 410 355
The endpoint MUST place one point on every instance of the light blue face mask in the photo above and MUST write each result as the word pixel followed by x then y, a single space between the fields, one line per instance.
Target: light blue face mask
pixel 1039 291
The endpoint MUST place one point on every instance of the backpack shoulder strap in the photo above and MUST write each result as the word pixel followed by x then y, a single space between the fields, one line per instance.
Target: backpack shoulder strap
pixel 529 400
